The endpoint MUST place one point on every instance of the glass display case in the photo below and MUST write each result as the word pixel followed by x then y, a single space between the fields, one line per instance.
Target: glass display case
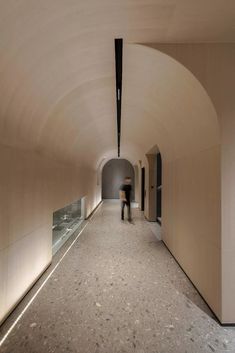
pixel 65 221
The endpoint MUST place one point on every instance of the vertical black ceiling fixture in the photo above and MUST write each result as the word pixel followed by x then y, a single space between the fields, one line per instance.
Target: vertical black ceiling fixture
pixel 118 61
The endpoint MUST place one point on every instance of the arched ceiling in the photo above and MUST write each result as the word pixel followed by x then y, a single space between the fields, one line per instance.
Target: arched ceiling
pixel 165 104
pixel 57 88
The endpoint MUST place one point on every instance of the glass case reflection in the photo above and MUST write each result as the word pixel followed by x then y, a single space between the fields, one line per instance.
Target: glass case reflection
pixel 65 221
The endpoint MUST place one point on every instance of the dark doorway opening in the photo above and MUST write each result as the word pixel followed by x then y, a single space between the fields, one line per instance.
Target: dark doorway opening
pixel 159 189
pixel 142 188
pixel 113 175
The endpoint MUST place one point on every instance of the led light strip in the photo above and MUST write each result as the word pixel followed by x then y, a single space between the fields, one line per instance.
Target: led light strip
pixel 44 282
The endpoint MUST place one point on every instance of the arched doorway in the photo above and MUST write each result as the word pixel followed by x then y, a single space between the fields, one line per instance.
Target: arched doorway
pixel 113 174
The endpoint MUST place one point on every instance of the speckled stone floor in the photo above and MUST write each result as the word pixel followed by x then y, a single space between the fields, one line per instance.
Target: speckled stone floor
pixel 118 290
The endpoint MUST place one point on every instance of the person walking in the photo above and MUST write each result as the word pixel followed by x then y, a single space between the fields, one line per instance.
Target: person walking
pixel 125 197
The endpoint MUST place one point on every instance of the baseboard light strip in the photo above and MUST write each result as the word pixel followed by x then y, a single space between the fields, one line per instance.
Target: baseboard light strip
pixel 44 282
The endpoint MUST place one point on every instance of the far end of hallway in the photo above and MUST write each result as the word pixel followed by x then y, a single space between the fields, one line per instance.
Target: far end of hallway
pixel 118 290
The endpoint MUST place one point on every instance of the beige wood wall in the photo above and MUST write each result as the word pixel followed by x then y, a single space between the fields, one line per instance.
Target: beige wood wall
pixel 191 220
pixel 31 188
pixel 214 66
pixel 191 215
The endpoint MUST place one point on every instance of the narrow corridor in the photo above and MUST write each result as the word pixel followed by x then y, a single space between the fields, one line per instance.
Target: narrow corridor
pixel 117 290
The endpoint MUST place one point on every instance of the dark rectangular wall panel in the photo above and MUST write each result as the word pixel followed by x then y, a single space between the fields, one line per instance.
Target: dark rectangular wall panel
pixel 142 188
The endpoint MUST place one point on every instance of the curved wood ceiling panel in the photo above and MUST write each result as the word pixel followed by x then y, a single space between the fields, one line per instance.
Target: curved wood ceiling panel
pixel 57 84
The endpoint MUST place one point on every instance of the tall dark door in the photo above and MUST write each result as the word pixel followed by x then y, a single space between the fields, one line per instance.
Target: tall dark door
pixel 159 188
pixel 142 188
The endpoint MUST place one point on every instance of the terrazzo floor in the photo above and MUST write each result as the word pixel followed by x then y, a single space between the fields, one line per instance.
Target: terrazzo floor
pixel 118 290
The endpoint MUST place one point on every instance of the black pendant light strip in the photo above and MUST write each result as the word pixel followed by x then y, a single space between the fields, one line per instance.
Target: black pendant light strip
pixel 118 61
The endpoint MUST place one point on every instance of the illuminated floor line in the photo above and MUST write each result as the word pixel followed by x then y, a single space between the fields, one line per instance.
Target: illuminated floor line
pixel 45 281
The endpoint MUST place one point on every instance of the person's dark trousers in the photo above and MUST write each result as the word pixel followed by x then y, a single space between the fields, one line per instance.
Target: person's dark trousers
pixel 128 205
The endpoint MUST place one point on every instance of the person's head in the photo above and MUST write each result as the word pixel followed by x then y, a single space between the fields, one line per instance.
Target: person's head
pixel 127 180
